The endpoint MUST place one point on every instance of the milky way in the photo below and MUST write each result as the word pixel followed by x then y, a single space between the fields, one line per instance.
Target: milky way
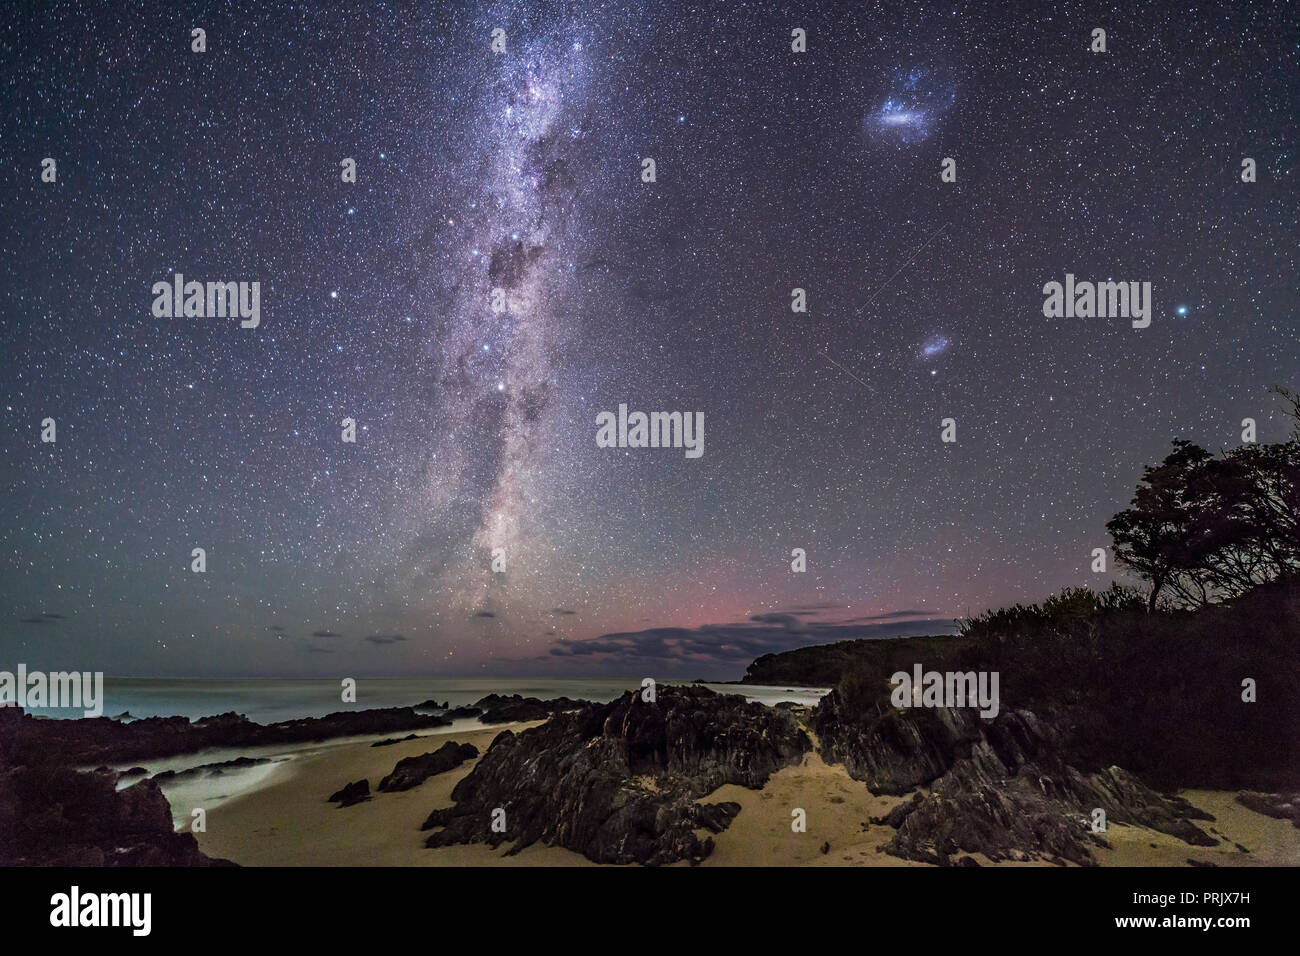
pixel 495 379
pixel 520 171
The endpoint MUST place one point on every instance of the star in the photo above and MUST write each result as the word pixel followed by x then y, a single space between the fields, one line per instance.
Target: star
pixel 521 173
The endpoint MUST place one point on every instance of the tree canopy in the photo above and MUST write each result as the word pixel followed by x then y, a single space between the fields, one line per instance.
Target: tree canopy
pixel 1203 528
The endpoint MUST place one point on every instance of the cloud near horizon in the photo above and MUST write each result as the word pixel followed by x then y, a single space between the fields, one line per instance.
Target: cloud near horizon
pixel 681 652
pixel 385 638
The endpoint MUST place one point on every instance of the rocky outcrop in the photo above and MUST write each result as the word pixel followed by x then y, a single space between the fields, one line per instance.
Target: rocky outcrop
pixel 356 792
pixel 620 782
pixel 54 816
pixel 1001 788
pixel 516 709
pixel 413 771
pixel 94 740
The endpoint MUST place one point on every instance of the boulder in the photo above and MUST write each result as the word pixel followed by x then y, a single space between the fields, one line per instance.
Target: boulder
pixel 413 771
pixel 357 792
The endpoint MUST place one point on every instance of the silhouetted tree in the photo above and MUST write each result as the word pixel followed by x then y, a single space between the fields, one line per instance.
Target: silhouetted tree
pixel 1203 528
pixel 1152 535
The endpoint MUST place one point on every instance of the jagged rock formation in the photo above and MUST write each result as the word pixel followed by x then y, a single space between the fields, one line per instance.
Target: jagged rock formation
pixel 55 816
pixel 413 771
pixel 1001 788
pixel 620 782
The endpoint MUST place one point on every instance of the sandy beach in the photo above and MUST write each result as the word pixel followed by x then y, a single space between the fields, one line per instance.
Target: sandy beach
pixel 287 822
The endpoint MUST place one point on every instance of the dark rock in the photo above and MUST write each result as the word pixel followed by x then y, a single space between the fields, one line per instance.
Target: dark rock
pixel 357 792
pixel 51 815
pixel 1191 862
pixel 94 740
pixel 135 772
pixel 388 742
pixel 413 771
pixel 516 709
pixel 208 769
pixel 1280 806
pixel 516 713
pixel 463 712
pixel 997 787
pixel 826 848
pixel 432 704
pixel 716 817
pixel 620 782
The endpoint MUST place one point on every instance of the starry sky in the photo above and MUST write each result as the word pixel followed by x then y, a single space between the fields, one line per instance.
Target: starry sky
pixel 522 171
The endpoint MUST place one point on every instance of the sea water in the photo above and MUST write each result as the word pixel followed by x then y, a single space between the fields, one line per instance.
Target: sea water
pixel 268 701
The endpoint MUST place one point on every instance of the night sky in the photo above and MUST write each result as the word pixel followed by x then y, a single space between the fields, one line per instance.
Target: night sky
pixel 522 171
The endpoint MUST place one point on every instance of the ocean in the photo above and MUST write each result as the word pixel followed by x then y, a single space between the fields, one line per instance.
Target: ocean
pixel 268 701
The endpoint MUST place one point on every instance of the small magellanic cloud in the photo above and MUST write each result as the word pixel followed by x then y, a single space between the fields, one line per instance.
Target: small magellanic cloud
pixel 935 345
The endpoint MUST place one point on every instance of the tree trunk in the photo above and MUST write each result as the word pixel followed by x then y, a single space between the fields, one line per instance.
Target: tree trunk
pixel 1156 585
